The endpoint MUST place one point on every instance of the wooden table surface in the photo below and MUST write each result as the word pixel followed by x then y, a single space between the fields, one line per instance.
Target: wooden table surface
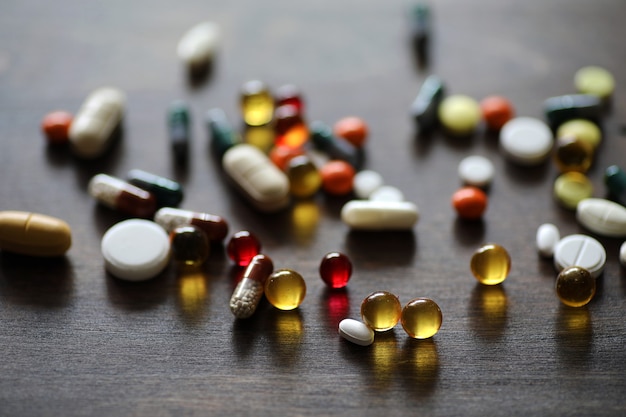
pixel 76 341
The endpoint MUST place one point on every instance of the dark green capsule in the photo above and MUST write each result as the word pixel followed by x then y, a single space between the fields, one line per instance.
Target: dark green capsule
pixel 420 32
pixel 168 193
pixel 178 127
pixel 336 148
pixel 560 109
pixel 221 133
pixel 615 180
pixel 425 105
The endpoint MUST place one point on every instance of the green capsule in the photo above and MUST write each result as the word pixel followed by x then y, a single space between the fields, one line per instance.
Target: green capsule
pixel 221 132
pixel 574 106
pixel 426 104
pixel 336 148
pixel 179 132
pixel 615 180
pixel 167 193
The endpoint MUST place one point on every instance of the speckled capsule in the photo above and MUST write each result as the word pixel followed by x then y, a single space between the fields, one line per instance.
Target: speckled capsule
pixel 247 295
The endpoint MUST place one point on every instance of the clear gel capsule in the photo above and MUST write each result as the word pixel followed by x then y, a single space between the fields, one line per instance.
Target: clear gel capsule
pixel 122 196
pixel 249 291
pixel 215 227
pixel 168 193
pixel 257 103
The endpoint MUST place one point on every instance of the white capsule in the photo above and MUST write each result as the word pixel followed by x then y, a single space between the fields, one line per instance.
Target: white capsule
pixel 548 236
pixel 197 46
pixel 366 182
pixel 476 170
pixel 266 186
pixel 601 216
pixel 92 129
pixel 356 332
pixel 387 193
pixel 580 250
pixel 379 215
pixel 622 254
pixel 526 140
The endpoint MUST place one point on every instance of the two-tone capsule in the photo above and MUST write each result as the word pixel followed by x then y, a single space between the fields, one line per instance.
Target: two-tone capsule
pixel 179 132
pixel 249 291
pixel 221 133
pixel 336 148
pixel 121 196
pixel 215 227
pixel 168 193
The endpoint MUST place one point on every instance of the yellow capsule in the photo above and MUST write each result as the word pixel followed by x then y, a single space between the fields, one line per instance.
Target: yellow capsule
pixel 304 177
pixel 490 264
pixel 421 318
pixel 381 310
pixel 581 129
pixel 571 188
pixel 257 103
pixel 285 289
pixel 575 286
pixel 34 234
pixel 572 154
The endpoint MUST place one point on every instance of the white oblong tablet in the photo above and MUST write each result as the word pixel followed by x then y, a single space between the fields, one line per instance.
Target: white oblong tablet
pixel 387 193
pixel 622 254
pixel 580 250
pixel 366 182
pixel 135 249
pixel 197 46
pixel 356 332
pixel 379 215
pixel 526 140
pixel 548 236
pixel 601 216
pixel 476 170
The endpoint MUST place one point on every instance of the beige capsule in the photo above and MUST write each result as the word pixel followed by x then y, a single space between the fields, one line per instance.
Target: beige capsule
pixel 34 234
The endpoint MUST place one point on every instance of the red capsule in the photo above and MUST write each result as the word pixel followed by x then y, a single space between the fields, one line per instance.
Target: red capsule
pixel 242 247
pixel 336 269
pixel 291 131
pixel 122 196
pixel 289 94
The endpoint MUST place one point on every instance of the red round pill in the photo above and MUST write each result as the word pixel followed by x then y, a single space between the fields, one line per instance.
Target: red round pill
pixel 242 247
pixel 56 125
pixel 470 202
pixel 353 129
pixel 337 177
pixel 496 111
pixel 281 155
pixel 336 269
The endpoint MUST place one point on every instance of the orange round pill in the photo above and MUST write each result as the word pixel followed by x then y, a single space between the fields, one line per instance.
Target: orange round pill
pixel 496 111
pixel 469 202
pixel 337 177
pixel 353 129
pixel 281 155
pixel 56 125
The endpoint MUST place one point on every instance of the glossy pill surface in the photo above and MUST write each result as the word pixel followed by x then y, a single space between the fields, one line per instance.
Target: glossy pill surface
pixel 304 177
pixel 92 129
pixel 335 269
pixel 56 126
pixel 547 237
pixel 459 114
pixel 198 45
pixel 560 109
pixel 603 217
pixel 615 180
pixel 34 234
pixel 285 289
pixel 381 311
pixel 622 254
pixel 496 110
pixel 580 250
pixel 571 188
pixel 594 80
pixel 581 129
pixel 476 170
pixel 289 127
pixel 242 247
pixel 425 106
pixel 289 94
pixel 575 286
pixel 490 264
pixel 122 196
pixel 353 129
pixel 190 246
pixel 469 202
pixel 323 139
pixel 337 177
pixel 356 332
pixel 257 103
pixel 249 291
pixel 168 193
pixel 526 140
pixel 379 215
pixel 215 227
pixel 571 154
pixel 421 318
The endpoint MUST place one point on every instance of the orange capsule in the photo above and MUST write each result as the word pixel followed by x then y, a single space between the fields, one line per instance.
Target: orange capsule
pixel 56 125
pixel 281 155
pixel 469 202
pixel 353 129
pixel 337 177
pixel 496 111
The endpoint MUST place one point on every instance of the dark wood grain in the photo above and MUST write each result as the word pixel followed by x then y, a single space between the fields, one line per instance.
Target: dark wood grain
pixel 76 341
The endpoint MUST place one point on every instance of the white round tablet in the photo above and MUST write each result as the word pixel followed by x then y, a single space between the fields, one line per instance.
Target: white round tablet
pixel 622 254
pixel 548 236
pixel 356 332
pixel 476 170
pixel 580 250
pixel 526 140
pixel 135 249
pixel 387 193
pixel 366 182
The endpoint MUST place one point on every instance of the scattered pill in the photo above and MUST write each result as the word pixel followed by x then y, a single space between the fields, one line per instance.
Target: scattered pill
pixel 571 188
pixel 281 155
pixel 353 129
pixel 335 269
pixel 560 109
pixel 222 134
pixel 615 180
pixel 265 186
pixel 92 129
pixel 575 286
pixel 356 332
pixel 387 193
pixel 459 114
pixel 198 45
pixel 421 318
pixel 263 137
pixel 603 217
pixel 379 215
pixel 594 80
pixel 257 103
pixel 285 289
pixel 572 154
pixel 622 254
pixel 337 177
pixel 490 264
pixel 304 177
pixel 381 311
pixel 190 246
pixel 56 126
pixel 121 196
pixel 580 250
pixel 215 227
pixel 420 32
pixel 168 193
pixel 179 131
pixel 289 94
pixel 425 106
pixel 476 171
pixel 242 247
pixel 289 127
pixel 335 147
pixel 135 249
pixel 470 202
pixel 249 291
pixel 526 140
pixel 547 237
pixel 34 234
pixel 366 182
pixel 496 110
pixel 581 129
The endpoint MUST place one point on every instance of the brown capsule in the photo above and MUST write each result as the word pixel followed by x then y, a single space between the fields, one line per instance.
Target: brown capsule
pixel 34 234
pixel 249 291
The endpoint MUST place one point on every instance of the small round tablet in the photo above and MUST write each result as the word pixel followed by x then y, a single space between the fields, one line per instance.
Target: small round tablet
pixel 387 193
pixel 476 170
pixel 548 236
pixel 603 217
pixel 580 250
pixel 594 80
pixel 356 332
pixel 459 114
pixel 581 129
pixel 571 188
pixel 135 249
pixel 526 140
pixel 366 182
pixel 622 254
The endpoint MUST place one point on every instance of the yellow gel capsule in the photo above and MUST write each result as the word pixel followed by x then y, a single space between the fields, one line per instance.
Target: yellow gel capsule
pixel 381 310
pixel 257 103
pixel 575 286
pixel 571 188
pixel 285 289
pixel 581 129
pixel 490 264
pixel 459 114
pixel 34 234
pixel 421 318
pixel 572 154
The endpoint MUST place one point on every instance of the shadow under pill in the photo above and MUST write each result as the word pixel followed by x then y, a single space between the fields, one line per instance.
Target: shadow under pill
pixel 530 175
pixel 381 247
pixel 334 306
pixel 574 336
pixel 192 301
pixel 140 295
pixel 421 367
pixel 469 232
pixel 488 312
pixel 199 75
pixel 285 333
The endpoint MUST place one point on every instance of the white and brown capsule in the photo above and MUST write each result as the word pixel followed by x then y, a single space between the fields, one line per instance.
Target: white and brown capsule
pixel 249 291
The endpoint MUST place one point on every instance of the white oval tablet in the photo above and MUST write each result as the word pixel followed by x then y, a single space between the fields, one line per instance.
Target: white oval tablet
pixel 198 44
pixel 387 193
pixel 379 215
pixel 526 140
pixel 356 332
pixel 366 182
pixel 580 250
pixel 622 254
pixel 476 170
pixel 548 236
pixel 135 249
pixel 601 216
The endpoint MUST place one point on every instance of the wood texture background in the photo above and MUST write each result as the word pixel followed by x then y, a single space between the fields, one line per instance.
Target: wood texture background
pixel 76 341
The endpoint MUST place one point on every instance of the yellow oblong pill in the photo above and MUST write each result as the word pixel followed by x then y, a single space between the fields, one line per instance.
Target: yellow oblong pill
pixel 34 234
